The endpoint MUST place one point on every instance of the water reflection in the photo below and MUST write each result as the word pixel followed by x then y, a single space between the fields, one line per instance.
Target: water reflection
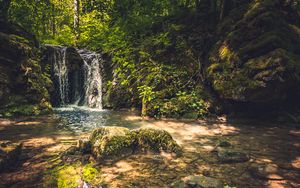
pixel 83 119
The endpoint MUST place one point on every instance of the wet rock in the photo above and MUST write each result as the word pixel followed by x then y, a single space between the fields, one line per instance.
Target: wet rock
pixel 231 156
pixel 9 154
pixel 198 182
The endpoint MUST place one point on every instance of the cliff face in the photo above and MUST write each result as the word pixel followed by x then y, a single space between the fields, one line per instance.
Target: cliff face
pixel 257 57
pixel 23 86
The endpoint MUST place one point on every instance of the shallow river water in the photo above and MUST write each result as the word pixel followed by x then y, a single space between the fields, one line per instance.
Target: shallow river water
pixel 273 147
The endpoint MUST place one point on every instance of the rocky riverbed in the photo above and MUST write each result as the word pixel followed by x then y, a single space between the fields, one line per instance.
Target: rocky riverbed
pixel 237 153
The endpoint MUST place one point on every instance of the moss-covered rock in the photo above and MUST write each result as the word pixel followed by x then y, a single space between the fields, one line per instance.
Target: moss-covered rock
pixel 24 87
pixel 155 140
pixel 111 142
pixel 114 143
pixel 69 177
pixel 256 59
pixel 73 176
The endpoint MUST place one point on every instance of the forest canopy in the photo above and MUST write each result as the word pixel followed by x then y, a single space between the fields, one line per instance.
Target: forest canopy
pixel 171 56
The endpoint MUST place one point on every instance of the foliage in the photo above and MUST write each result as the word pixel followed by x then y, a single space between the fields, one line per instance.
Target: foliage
pixel 189 105
pixel 156 62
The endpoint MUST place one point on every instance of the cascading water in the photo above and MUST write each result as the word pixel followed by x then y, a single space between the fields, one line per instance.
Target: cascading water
pixel 76 82
pixel 60 73
pixel 92 79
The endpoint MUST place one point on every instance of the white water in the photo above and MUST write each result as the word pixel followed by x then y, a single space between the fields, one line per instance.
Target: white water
pixel 86 83
pixel 92 79
pixel 61 73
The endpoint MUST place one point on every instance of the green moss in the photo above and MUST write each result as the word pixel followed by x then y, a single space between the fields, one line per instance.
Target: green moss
pixel 20 110
pixel 91 175
pixel 23 84
pixel 117 142
pixel 111 141
pixel 155 140
pixel 69 177
pixel 247 61
pixel 72 176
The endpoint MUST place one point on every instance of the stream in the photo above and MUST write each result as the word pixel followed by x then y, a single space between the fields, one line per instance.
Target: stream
pixel 273 146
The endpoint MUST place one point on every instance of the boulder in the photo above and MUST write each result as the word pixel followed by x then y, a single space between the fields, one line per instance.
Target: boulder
pixel 155 140
pixel 198 182
pixel 113 143
pixel 9 154
pixel 255 63
pixel 231 156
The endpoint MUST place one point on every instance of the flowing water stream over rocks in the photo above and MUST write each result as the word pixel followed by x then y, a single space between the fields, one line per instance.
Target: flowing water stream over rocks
pixel 273 150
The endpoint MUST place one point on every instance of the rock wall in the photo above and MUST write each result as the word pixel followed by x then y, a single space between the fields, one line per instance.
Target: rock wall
pixel 256 62
pixel 23 85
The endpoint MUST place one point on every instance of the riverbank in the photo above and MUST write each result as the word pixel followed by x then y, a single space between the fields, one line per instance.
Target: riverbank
pixel 273 149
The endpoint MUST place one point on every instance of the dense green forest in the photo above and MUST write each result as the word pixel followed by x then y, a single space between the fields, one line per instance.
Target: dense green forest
pixel 150 93
pixel 179 57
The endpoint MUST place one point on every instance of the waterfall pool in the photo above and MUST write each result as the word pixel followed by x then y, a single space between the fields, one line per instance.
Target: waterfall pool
pixel 275 146
pixel 81 119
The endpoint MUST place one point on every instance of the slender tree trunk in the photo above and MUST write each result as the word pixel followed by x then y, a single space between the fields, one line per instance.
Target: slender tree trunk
pixel 197 2
pixel 225 8
pixel 53 26
pixel 204 6
pixel 4 6
pixel 76 20
pixel 144 107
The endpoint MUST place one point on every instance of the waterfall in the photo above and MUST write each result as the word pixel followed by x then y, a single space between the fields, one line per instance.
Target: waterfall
pixel 60 73
pixel 76 75
pixel 92 79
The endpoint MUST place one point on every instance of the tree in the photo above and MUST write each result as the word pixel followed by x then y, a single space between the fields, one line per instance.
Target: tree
pixel 4 6
pixel 225 8
pixel 76 20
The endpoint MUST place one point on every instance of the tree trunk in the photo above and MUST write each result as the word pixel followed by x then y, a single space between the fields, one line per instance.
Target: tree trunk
pixel 53 26
pixel 4 6
pixel 144 107
pixel 204 6
pixel 225 8
pixel 76 20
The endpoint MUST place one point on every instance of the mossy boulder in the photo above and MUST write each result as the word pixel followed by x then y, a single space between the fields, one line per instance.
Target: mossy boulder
pixel 113 143
pixel 9 154
pixel 256 60
pixel 154 140
pixel 23 85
